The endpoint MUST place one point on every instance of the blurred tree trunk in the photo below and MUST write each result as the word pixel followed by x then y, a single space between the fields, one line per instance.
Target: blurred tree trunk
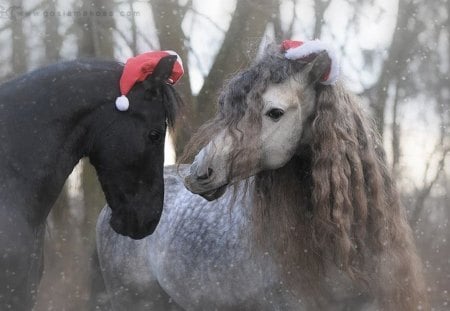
pixel 279 34
pixel 53 284
pixel 94 33
pixel 246 29
pixel 93 202
pixel 168 17
pixel 19 59
pixel 93 199
pixel 52 39
pixel 404 41
pixel 320 6
pixel 134 31
pixel 396 148
pixel 244 34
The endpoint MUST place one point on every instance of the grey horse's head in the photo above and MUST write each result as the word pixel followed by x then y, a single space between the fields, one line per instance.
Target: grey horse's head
pixel 260 123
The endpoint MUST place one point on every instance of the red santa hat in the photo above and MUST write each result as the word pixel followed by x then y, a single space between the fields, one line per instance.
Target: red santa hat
pixel 138 68
pixel 302 50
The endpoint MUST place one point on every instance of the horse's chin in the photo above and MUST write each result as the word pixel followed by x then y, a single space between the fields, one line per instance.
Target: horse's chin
pixel 214 194
pixel 131 228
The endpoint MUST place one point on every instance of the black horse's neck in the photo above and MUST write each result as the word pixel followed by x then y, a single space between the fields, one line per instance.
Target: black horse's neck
pixel 47 121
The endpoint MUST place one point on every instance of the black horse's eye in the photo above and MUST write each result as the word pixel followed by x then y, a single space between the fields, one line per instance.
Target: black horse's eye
pixel 275 114
pixel 155 137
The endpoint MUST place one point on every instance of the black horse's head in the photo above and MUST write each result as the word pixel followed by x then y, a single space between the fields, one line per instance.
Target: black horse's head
pixel 128 152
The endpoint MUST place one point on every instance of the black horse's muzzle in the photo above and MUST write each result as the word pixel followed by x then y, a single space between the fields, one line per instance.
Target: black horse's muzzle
pixel 131 225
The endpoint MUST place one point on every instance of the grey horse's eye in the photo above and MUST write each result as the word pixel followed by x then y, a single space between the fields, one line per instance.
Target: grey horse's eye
pixel 275 114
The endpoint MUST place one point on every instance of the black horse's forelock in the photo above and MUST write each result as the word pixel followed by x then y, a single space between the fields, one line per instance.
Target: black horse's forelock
pixel 172 103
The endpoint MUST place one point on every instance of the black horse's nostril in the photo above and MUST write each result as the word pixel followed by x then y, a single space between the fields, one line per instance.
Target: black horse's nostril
pixel 206 175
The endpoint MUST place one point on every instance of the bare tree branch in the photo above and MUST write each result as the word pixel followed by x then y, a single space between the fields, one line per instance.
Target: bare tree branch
pixel 424 193
pixel 403 42
pixel 168 17
pixel 206 17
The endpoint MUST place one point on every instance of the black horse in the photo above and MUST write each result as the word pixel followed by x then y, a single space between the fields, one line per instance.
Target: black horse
pixel 49 120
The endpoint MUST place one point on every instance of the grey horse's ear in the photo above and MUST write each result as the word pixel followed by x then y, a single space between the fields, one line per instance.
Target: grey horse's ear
pixel 323 62
pixel 320 67
pixel 265 44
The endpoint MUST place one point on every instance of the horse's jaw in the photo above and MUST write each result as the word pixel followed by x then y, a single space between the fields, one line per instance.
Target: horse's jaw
pixel 214 194
pixel 207 192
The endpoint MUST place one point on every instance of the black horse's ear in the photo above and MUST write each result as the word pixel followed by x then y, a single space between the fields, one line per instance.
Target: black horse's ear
pixel 320 67
pixel 163 69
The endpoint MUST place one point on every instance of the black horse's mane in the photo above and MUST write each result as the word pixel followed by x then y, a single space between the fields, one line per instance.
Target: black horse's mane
pixel 172 103
pixel 83 68
pixel 72 67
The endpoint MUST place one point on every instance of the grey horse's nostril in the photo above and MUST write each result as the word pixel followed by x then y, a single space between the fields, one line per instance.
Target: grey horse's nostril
pixel 206 175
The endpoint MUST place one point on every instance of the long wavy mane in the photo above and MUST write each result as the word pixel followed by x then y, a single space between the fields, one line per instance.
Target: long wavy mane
pixel 334 204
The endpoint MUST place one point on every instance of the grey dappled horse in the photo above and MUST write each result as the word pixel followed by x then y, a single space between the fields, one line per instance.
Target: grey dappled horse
pixel 301 213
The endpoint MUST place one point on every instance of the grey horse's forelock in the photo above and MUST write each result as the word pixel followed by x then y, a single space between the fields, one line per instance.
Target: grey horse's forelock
pixel 271 68
pixel 242 96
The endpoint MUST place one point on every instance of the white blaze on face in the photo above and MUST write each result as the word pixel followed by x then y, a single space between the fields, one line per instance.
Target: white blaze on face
pixel 280 136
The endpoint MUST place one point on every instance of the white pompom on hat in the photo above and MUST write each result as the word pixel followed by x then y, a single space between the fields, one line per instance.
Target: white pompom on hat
pixel 138 68
pixel 302 50
pixel 122 103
